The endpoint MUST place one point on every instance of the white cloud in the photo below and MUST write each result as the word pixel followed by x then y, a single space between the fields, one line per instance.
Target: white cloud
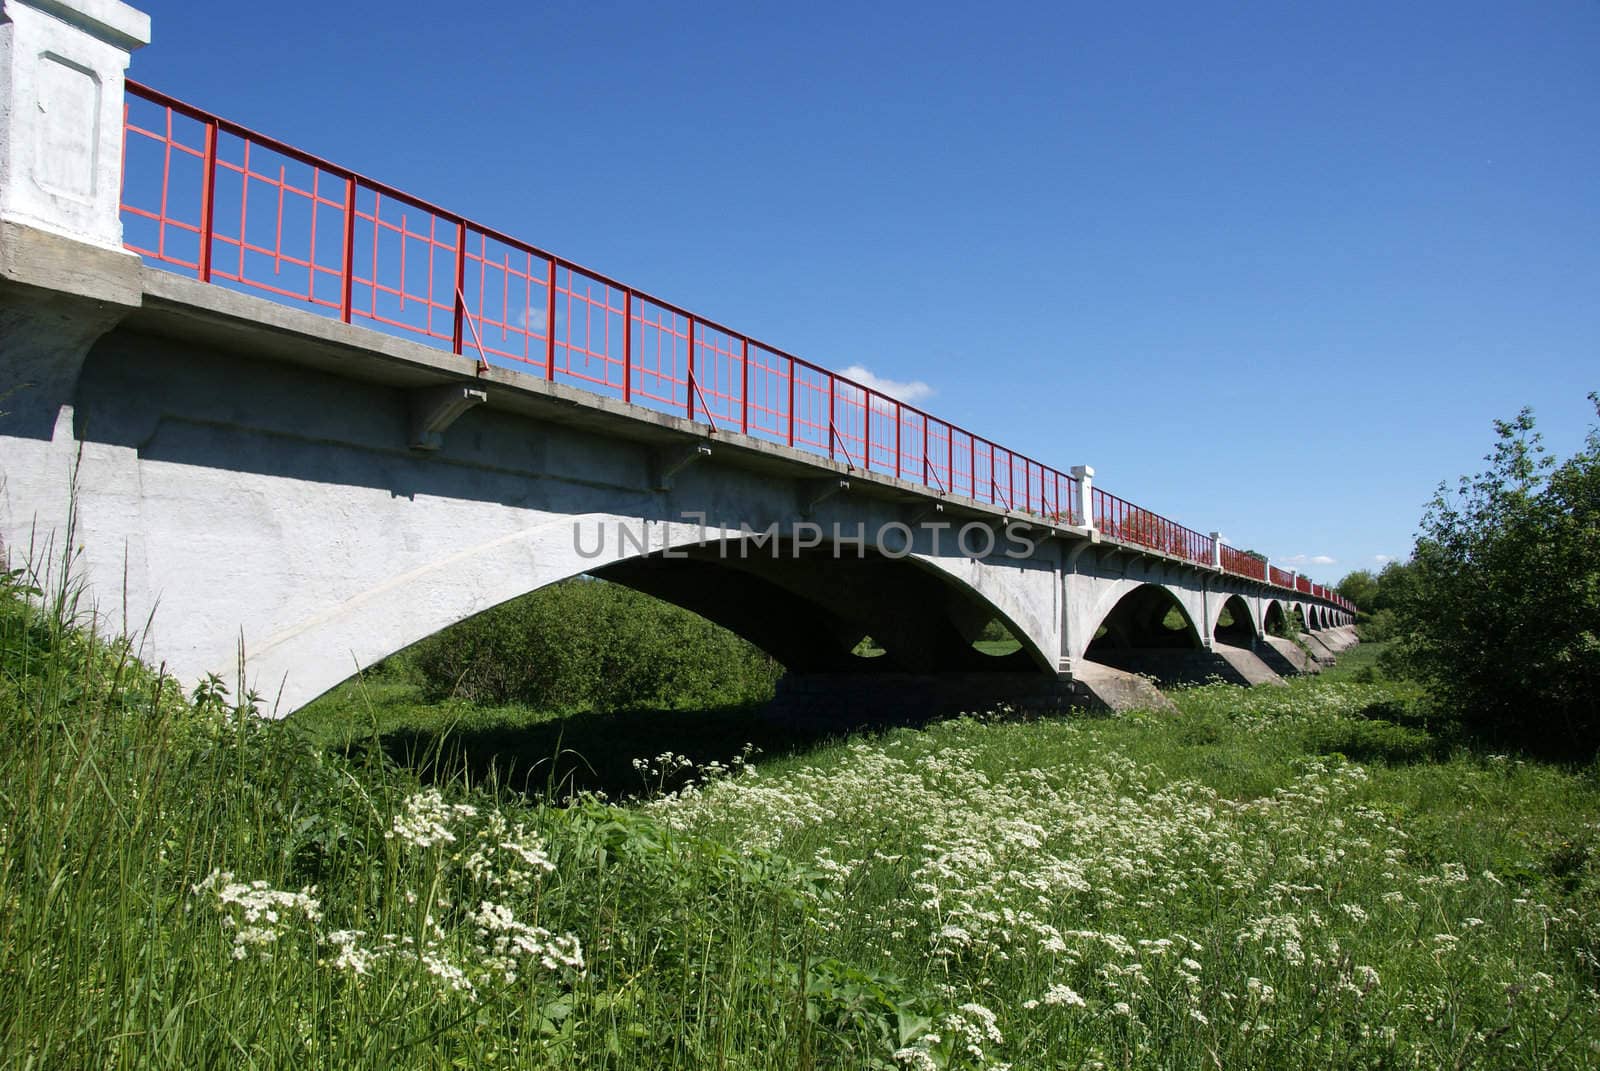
pixel 1383 559
pixel 912 391
pixel 1306 559
pixel 528 319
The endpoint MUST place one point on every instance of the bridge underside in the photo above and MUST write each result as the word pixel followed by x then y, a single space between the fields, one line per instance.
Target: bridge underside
pixel 810 609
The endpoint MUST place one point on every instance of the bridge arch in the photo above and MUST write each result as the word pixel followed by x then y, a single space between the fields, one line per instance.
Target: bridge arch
pixel 1235 623
pixel 806 607
pixel 1148 617
pixel 809 608
pixel 1273 618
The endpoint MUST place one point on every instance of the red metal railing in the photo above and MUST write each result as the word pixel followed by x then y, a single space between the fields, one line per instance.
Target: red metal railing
pixel 1123 520
pixel 1239 563
pixel 210 198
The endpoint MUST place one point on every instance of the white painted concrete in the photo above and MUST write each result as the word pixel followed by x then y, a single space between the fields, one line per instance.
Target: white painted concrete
pixel 61 90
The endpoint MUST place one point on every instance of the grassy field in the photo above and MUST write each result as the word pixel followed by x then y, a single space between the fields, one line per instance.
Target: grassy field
pixel 1306 875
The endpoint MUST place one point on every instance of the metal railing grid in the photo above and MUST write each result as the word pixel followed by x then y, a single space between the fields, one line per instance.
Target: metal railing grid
pixel 207 197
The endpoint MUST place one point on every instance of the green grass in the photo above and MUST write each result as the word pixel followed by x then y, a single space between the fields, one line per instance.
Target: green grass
pixel 1298 876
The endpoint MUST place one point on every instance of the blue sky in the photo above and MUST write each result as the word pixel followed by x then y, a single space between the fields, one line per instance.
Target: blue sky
pixel 1270 268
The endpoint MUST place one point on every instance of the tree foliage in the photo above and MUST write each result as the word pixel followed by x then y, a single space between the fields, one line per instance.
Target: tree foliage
pixel 1361 588
pixel 1501 601
pixel 587 644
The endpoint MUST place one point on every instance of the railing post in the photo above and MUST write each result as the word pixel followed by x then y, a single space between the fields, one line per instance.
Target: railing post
pixel 208 200
pixel 348 275
pixel 791 401
pixel 972 442
pixel 456 340
pixel 1083 508
pixel 950 456
pixel 744 386
pixel 550 323
pixel 627 345
pixel 833 390
pixel 690 377
pixel 1216 551
pixel 899 418
pixel 866 430
pixel 927 462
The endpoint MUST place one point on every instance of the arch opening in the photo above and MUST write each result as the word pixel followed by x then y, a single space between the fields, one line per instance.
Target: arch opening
pixel 807 610
pixel 1235 626
pixel 1147 618
pixel 996 640
pixel 1275 622
pixel 818 612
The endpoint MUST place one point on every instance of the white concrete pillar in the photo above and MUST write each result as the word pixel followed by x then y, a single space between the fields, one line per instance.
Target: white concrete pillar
pixel 1216 551
pixel 61 88
pixel 1083 508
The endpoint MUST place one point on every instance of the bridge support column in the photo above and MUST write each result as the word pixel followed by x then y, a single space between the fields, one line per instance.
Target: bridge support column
pixel 64 277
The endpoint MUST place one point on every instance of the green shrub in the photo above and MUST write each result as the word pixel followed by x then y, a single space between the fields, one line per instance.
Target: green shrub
pixel 586 644
pixel 1500 609
pixel 1378 627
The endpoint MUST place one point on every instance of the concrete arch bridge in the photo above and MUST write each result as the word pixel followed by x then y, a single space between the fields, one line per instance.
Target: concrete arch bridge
pixel 309 414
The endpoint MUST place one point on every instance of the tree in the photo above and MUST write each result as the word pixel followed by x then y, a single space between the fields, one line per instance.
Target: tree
pixel 1501 601
pixel 1394 581
pixel 1361 588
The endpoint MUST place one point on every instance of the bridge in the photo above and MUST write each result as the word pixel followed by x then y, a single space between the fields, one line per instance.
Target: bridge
pixel 277 411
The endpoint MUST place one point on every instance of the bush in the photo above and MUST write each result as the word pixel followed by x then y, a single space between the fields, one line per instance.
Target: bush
pixel 1500 607
pixel 587 644
pixel 1376 627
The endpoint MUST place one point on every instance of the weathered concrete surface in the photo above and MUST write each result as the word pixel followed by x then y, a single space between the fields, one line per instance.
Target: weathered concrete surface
pixel 1248 665
pixel 1114 689
pixel 1330 639
pixel 1340 637
pixel 1319 650
pixel 1291 653
pixel 57 297
pixel 61 69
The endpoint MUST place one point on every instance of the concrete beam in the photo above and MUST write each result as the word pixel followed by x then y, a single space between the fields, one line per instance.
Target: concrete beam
pixel 815 492
pixel 666 464
pixel 434 409
pixel 57 298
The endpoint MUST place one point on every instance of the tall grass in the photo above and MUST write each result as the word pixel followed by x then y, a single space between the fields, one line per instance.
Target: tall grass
pixel 1288 876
